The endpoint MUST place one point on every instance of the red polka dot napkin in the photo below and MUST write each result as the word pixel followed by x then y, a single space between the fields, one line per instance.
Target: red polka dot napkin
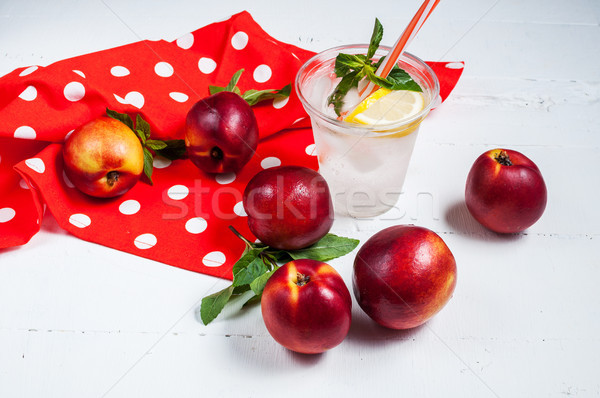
pixel 182 219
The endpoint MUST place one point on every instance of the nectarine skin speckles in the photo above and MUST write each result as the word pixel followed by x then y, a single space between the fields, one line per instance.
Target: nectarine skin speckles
pixel 403 276
pixel 311 318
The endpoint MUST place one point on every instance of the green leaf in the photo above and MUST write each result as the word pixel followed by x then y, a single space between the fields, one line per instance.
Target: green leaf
pixel 237 290
pixel 337 97
pixel 148 164
pixel 215 89
pixel 234 80
pixel 231 86
pixel 141 124
pixel 258 284
pixel 252 97
pixel 344 63
pixel 249 267
pixel 401 80
pixel 122 117
pixel 142 136
pixel 156 145
pixel 175 149
pixel 375 38
pixel 329 247
pixel 213 305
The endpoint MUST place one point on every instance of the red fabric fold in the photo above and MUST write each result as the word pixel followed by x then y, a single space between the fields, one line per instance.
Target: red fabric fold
pixel 183 219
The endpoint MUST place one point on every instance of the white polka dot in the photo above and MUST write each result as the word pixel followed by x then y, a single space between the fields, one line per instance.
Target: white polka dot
pixel 130 207
pixel 67 181
pixel 29 94
pixel 239 40
pixel 239 209
pixel 186 41
pixel 311 150
pixel 179 97
pixel 131 98
pixel 178 192
pixel 119 71
pixel 279 103
pixel 36 164
pixel 207 65
pixel 262 73
pixel 68 134
pixel 160 163
pixel 7 214
pixel 80 73
pixel 214 259
pixel 145 241
pixel 80 220
pixel 23 184
pixel 298 120
pixel 163 69
pixel 74 91
pixel 270 162
pixel 196 225
pixel 455 65
pixel 25 132
pixel 28 71
pixel 225 178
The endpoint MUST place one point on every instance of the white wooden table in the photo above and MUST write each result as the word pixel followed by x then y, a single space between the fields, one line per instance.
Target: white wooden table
pixel 82 320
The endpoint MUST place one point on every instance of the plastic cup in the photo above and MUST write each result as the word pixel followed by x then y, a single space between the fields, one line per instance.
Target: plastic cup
pixel 364 165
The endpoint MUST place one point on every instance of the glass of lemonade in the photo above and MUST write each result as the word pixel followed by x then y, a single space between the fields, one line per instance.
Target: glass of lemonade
pixel 363 164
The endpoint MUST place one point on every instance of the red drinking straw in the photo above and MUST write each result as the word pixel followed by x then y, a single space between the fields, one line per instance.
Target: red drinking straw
pixel 409 33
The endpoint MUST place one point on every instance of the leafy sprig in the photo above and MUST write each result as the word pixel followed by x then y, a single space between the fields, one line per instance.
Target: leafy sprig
pixel 252 97
pixel 170 149
pixel 258 262
pixel 353 68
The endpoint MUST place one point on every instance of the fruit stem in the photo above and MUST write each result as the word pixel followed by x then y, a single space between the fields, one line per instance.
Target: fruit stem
pixel 246 241
pixel 216 153
pixel 112 177
pixel 302 279
pixel 503 158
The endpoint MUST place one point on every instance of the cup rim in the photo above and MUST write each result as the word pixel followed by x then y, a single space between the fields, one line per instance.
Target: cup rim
pixel 382 128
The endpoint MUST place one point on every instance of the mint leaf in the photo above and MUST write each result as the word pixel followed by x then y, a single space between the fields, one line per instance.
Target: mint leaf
pixel 148 165
pixel 329 247
pixel 346 84
pixel 252 97
pixel 344 63
pixel 401 80
pixel 352 68
pixel 156 145
pixel 249 267
pixel 375 38
pixel 122 117
pixel 175 149
pixel 212 305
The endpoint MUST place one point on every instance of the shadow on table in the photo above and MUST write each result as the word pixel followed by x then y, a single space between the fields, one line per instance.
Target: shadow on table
pixel 364 330
pixel 462 222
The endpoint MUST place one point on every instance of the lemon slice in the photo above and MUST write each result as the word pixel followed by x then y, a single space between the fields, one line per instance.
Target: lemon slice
pixel 385 106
